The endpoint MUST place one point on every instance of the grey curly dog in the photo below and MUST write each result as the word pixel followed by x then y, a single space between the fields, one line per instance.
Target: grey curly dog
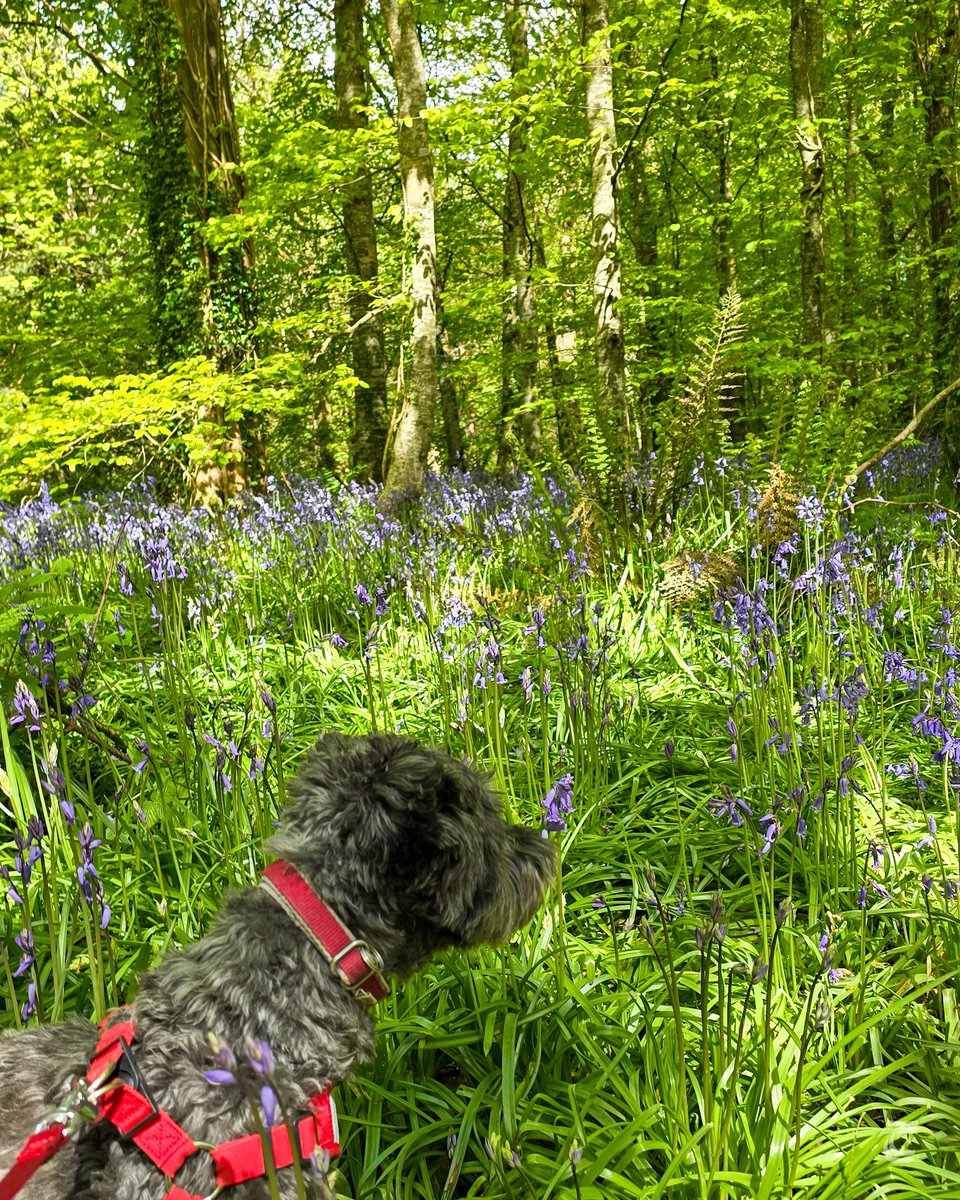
pixel 409 849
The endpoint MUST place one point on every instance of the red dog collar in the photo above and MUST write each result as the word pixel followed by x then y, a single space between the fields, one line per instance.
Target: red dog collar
pixel 355 964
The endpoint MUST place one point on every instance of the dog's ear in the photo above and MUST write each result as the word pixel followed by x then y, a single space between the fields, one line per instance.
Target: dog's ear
pixel 476 878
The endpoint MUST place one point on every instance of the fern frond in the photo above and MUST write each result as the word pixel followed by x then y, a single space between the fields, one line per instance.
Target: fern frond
pixel 777 509
pixel 698 576
pixel 694 423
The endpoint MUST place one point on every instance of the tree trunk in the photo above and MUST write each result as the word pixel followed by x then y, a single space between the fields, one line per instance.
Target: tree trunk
pixel 641 226
pixel 886 226
pixel 214 147
pixel 565 406
pixel 366 324
pixel 414 424
pixel 229 300
pixel 168 184
pixel 449 403
pixel 806 54
pixel 936 53
pixel 723 218
pixel 612 409
pixel 848 283
pixel 519 416
pixel 447 387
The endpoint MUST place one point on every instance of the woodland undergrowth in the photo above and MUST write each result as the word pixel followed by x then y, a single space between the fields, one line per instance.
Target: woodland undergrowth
pixel 742 731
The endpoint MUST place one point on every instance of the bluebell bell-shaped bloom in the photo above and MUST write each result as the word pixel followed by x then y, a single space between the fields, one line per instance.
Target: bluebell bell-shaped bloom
pixel 557 802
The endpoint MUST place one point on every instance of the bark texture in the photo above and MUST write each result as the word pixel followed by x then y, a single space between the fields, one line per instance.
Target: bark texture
pixel 366 325
pixel 228 309
pixel 605 229
pixel 418 392
pixel 519 416
pixel 168 183
pixel 937 48
pixel 806 56
pixel 723 216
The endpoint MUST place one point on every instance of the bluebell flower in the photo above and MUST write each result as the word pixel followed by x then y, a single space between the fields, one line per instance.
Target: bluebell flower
pixel 25 710
pixel 770 828
pixel 931 835
pixel 225 1071
pixel 730 806
pixel 31 1002
pixel 536 627
pixel 24 942
pixel 145 752
pixel 12 893
pixel 86 871
pixel 558 800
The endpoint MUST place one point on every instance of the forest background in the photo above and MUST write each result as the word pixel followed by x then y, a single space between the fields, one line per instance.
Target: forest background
pixel 654 287
pixel 242 240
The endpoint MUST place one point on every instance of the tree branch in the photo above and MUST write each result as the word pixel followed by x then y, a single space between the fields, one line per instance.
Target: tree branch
pixel 101 64
pixel 906 431
pixel 661 76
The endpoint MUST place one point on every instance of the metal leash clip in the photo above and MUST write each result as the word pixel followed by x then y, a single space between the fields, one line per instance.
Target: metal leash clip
pixel 77 1104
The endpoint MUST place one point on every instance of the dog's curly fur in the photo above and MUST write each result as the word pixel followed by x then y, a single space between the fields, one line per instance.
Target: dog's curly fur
pixel 407 845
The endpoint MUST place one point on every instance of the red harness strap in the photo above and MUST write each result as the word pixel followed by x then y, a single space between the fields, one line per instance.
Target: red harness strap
pixel 134 1115
pixel 131 1113
pixel 168 1146
pixel 39 1147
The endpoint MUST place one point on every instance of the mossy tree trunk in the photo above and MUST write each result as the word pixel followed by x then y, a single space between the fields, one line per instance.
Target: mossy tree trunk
pixel 413 427
pixel 611 411
pixel 168 183
pixel 366 325
pixel 936 54
pixel 228 305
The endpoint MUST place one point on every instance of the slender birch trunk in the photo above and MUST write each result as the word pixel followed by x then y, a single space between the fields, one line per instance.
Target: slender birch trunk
pixel 519 417
pixel 806 55
pixel 848 282
pixel 366 324
pixel 449 402
pixel 566 408
pixel 723 218
pixel 414 424
pixel 605 230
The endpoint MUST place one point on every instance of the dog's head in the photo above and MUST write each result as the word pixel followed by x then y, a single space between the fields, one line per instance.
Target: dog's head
pixel 409 846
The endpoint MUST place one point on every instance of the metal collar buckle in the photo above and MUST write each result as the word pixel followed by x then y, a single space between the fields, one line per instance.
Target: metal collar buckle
pixel 372 961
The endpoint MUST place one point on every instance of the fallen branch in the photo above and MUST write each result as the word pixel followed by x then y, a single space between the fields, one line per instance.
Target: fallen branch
pixel 905 432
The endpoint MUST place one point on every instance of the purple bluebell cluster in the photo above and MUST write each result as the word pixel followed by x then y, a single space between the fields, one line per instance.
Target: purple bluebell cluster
pixel 227 1072
pixel 174 647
